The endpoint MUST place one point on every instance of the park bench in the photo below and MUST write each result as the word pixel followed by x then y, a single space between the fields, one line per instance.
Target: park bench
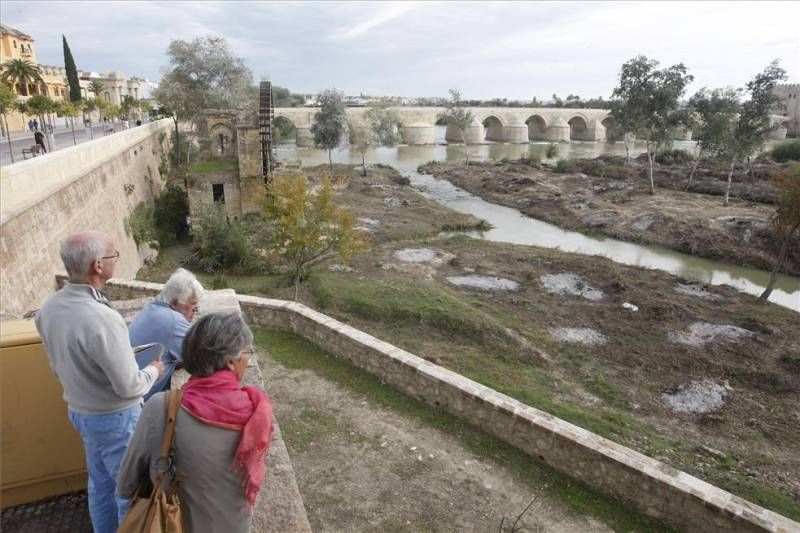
pixel 33 151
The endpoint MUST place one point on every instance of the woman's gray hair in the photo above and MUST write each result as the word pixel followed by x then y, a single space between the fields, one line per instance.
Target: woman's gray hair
pixel 180 286
pixel 213 341
pixel 80 250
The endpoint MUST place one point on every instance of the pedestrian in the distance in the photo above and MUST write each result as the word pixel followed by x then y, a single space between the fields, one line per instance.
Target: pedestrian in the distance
pixel 30 125
pixel 39 138
pixel 35 125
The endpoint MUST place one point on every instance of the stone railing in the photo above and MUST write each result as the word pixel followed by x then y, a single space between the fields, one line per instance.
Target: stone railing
pixel 654 488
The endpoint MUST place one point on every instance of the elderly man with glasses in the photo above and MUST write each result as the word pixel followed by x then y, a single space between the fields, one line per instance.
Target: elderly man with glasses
pixel 166 320
pixel 89 352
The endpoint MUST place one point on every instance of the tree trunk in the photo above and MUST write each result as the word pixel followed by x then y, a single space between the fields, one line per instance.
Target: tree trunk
pixel 650 156
pixel 730 180
pixel 46 138
pixel 694 169
pixel 364 164
pixel 466 148
pixel 72 127
pixel 177 146
pixel 330 161
pixel 8 135
pixel 773 276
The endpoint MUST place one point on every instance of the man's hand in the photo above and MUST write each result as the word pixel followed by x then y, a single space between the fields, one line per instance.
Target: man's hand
pixel 158 365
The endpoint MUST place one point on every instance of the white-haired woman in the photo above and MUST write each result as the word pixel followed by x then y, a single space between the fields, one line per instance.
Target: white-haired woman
pixel 166 320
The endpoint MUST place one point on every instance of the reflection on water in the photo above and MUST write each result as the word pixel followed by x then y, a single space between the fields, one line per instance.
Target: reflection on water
pixel 511 226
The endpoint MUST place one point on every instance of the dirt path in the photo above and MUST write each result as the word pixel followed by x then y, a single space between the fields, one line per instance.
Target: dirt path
pixel 362 467
pixel 620 206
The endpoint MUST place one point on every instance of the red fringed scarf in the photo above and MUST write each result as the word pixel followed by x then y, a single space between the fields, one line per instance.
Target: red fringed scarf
pixel 220 400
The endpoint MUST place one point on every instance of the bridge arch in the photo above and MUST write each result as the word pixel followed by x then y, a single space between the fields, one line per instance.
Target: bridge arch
pixel 578 128
pixel 493 128
pixel 537 127
pixel 285 129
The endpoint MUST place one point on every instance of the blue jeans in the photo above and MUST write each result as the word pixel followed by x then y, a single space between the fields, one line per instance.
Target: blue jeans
pixel 105 439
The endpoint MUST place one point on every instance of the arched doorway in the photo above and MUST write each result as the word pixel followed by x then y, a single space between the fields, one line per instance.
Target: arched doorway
pixel 221 137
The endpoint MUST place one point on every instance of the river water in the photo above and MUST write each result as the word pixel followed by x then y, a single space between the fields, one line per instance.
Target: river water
pixel 511 226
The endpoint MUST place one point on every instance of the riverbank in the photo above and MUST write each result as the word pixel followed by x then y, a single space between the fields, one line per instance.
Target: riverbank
pixel 700 377
pixel 620 206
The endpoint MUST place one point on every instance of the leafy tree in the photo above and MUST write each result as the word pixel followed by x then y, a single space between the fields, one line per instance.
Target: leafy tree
pixel 128 105
pixel 330 122
pixel 170 210
pixel 21 72
pixel 203 74
pixel 753 124
pixel 713 114
pixel 456 115
pixel 646 103
pixel 786 221
pixel 308 226
pixel 72 72
pixel 217 241
pixel 383 121
pixel 97 87
pixel 41 106
pixel 362 136
pixel 8 100
pixel 69 109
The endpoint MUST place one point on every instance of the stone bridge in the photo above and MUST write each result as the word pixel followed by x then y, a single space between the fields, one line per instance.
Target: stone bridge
pixel 494 124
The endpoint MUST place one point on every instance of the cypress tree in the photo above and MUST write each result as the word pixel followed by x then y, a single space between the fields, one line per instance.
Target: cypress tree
pixel 72 73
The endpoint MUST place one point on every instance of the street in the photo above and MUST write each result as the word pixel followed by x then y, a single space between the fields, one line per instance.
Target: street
pixel 63 139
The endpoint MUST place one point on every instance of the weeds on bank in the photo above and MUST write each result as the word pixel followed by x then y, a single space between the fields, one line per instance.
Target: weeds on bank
pixel 292 351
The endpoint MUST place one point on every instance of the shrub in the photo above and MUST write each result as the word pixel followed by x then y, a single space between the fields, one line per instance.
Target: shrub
pixel 534 161
pixel 593 167
pixel 552 151
pixel 169 214
pixel 565 166
pixel 788 151
pixel 673 157
pixel 217 241
pixel 139 224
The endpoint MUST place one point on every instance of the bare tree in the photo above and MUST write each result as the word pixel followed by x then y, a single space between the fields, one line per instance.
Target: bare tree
pixel 457 116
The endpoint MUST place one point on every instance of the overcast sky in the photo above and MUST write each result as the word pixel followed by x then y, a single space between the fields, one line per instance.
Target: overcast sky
pixel 486 49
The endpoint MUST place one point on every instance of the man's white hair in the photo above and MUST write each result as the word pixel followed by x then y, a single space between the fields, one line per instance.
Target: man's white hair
pixel 80 250
pixel 180 286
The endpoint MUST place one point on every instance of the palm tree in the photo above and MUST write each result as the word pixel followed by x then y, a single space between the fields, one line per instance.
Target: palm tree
pixel 22 72
pixel 96 86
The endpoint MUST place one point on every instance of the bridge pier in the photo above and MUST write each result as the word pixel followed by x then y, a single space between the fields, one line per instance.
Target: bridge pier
pixel 558 131
pixel 304 137
pixel 473 134
pixel 516 133
pixel 418 133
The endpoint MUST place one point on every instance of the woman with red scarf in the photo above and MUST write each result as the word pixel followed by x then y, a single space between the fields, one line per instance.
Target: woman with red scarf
pixel 222 432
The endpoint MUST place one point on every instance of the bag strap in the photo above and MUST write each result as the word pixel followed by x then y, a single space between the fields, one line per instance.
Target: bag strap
pixel 172 403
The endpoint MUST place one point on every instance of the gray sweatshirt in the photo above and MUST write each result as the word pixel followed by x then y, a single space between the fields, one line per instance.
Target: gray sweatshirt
pixel 89 352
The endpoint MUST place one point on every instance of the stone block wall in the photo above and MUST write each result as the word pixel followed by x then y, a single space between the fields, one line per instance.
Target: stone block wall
pixel 654 488
pixel 94 185
pixel 249 146
pixel 201 191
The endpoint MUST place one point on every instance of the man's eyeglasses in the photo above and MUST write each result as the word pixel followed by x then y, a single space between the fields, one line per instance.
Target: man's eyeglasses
pixel 114 257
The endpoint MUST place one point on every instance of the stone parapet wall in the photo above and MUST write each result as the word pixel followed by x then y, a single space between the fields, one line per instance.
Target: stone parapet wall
pixel 654 488
pixel 94 185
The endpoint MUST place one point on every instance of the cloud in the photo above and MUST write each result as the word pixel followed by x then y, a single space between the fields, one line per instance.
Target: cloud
pixel 388 12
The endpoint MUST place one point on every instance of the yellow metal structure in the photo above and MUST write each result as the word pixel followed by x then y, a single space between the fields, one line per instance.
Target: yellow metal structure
pixel 41 454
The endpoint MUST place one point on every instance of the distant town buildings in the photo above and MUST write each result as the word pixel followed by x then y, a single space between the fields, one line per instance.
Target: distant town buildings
pixel 15 44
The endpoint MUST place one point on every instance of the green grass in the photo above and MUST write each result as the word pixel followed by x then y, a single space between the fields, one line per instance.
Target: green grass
pixel 214 165
pixel 307 428
pixel 292 351
pixel 398 303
